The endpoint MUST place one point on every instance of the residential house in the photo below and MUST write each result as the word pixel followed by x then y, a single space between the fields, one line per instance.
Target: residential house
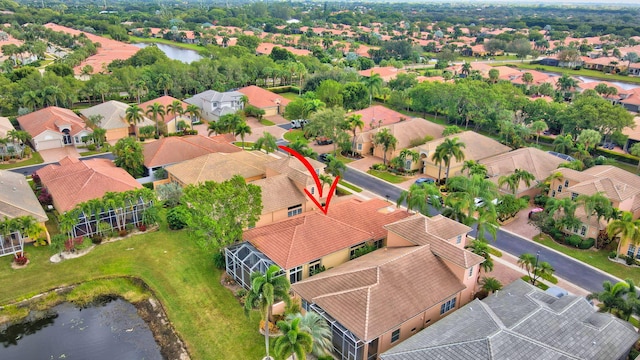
pixel 17 199
pixel 633 134
pixel 266 48
pixel 170 119
pixel 175 149
pixel 634 69
pixel 379 300
pixel 214 104
pixel 54 127
pixel 377 116
pixel 386 73
pixel 407 133
pixel 305 243
pixel 271 103
pixel 535 161
pixel 5 127
pixel 477 147
pixel 619 186
pixel 522 321
pixel 606 64
pixel 11 147
pixel 112 117
pixel 73 181
pixel 630 99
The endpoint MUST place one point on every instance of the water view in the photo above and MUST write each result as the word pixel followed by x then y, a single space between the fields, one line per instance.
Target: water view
pixel 175 53
pixel 112 330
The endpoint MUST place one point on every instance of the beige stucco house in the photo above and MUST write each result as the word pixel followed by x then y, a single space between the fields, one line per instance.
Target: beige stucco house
pixel 113 119
pixel 271 103
pixel 54 127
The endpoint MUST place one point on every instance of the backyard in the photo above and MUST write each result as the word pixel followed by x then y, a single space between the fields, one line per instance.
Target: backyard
pixel 205 314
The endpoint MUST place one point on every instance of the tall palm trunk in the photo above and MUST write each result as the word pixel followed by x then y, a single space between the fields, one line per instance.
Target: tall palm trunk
pixel 266 330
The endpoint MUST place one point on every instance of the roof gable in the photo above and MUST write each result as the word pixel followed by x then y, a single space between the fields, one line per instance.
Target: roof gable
pixel 51 118
pixel 262 98
pixel 175 149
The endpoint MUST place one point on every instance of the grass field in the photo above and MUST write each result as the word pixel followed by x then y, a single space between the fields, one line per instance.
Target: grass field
pixel 394 179
pixel 293 135
pixel 205 314
pixel 34 160
pixel 582 72
pixel 135 39
pixel 289 95
pixel 350 186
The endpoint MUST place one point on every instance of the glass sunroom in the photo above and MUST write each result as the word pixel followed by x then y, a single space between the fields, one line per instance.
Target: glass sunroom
pixel 242 260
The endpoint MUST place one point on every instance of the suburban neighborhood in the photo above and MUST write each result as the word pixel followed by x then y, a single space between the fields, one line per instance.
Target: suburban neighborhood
pixel 319 180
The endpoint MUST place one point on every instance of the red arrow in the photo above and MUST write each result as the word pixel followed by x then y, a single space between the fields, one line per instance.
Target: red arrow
pixel 316 178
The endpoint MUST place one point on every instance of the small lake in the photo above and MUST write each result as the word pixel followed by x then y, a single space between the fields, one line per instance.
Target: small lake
pixel 175 53
pixel 586 79
pixel 107 331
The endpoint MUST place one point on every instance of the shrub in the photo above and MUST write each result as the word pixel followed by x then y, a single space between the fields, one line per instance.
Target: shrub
pixel 219 260
pixel 20 259
pixel 96 239
pixel 587 244
pixel 177 217
pixel 573 240
pixel 241 293
pixel 367 248
pixel 273 328
pixel 612 255
pixel 540 199
pixel 142 227
pixel 122 233
pixel 91 147
pixel 629 260
pixel 45 198
pixel 379 167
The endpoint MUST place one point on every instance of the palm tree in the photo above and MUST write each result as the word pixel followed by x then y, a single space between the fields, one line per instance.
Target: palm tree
pixel 335 167
pixel 164 82
pixel 418 196
pixel 626 228
pixel 133 115
pixel 267 141
pixel 452 148
pixel 241 130
pixel 527 78
pixel 513 180
pixel 155 111
pixel 265 290
pixel 373 83
pixel 293 340
pixel 539 127
pixel 405 154
pixel 463 192
pixel 214 128
pixel 481 248
pixel 490 284
pixel 385 139
pixel 175 108
pixel 314 324
pixel 474 168
pixel 535 269
pixel 228 123
pixel 193 111
pixel 597 204
pixel 302 148
pixel 589 138
pixel 563 144
pixel 355 122
pixel 612 297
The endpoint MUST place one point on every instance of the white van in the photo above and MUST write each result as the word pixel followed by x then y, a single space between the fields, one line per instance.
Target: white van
pixel 298 123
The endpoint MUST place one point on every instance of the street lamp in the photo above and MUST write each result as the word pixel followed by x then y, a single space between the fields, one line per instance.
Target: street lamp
pixel 535 268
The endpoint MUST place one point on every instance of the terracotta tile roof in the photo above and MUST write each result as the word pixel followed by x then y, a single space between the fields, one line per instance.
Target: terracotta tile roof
pixel 50 118
pixel 304 238
pixel 75 181
pixel 572 174
pixel 5 126
pixel 295 170
pixel 435 232
pixel 377 113
pixel 371 215
pixel 221 166
pixel 635 132
pixel 266 48
pixel 605 60
pixel 164 101
pixel 377 292
pixel 406 131
pixel 279 192
pixel 611 188
pixel 108 51
pixel 175 149
pixel 386 72
pixel 477 147
pixel 262 98
pixel 17 198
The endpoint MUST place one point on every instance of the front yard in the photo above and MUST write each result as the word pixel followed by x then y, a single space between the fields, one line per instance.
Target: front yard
pixel 206 315
pixel 33 160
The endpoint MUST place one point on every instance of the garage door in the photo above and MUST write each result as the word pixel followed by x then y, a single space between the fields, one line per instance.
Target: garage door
pixel 48 144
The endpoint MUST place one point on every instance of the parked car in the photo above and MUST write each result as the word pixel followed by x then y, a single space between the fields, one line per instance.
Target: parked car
pixel 299 123
pixel 479 202
pixel 325 158
pixel 424 180
pixel 323 140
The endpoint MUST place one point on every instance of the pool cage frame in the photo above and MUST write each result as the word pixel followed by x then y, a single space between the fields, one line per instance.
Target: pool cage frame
pixel 117 218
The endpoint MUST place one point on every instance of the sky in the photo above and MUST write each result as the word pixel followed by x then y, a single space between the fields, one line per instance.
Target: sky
pixel 554 2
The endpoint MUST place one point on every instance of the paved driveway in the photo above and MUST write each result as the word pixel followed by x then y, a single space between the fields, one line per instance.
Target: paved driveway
pixel 55 155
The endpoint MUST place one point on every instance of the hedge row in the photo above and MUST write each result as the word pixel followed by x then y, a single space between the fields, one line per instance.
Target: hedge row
pixel 627 158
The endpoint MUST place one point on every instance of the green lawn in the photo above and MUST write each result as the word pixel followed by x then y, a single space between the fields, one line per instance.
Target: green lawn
pixel 266 122
pixel 344 159
pixel 205 314
pixel 349 186
pixel 135 39
pixel 394 179
pixel 35 159
pixel 247 144
pixel 293 135
pixel 598 259
pixel 289 95
pixel 582 72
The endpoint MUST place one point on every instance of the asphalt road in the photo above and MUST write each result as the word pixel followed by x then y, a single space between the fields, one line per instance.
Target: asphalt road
pixel 28 170
pixel 565 267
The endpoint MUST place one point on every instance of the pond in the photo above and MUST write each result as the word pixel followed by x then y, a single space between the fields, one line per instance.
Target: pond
pixel 174 52
pixel 111 330
pixel 586 79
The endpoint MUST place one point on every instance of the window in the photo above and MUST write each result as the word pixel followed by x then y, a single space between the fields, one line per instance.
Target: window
pixel 395 336
pixel 559 188
pixel 314 267
pixel 313 190
pixel 295 274
pixel 553 193
pixel 566 183
pixel 359 147
pixel 459 239
pixel 352 251
pixel 378 243
pixel 574 196
pixel 631 251
pixel 447 306
pixel 583 230
pixel 77 139
pixel 471 272
pixel 408 164
pixel 305 305
pixel 294 210
pixel 575 229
